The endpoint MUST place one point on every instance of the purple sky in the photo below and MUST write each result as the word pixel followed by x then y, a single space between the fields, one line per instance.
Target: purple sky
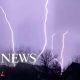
pixel 27 20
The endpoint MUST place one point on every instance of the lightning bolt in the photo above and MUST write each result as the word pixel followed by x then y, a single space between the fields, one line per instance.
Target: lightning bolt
pixel 63 46
pixel 45 30
pixel 52 48
pixel 10 27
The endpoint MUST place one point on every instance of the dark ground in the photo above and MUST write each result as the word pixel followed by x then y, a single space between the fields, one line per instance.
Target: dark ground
pixel 24 71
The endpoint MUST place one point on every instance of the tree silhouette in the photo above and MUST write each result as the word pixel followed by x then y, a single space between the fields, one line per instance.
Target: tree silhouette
pixel 51 69
pixel 46 58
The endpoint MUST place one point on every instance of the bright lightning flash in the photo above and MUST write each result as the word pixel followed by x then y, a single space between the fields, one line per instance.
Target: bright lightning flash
pixel 63 45
pixel 45 30
pixel 10 27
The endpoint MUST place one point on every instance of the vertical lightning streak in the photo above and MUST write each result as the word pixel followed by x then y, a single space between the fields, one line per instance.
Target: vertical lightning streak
pixel 63 45
pixel 52 48
pixel 45 30
pixel 12 33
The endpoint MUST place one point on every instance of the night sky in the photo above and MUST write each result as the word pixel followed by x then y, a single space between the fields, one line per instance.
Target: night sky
pixel 27 20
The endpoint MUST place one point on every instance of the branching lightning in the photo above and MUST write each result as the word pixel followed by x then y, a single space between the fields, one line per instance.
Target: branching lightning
pixel 10 27
pixel 45 30
pixel 62 50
